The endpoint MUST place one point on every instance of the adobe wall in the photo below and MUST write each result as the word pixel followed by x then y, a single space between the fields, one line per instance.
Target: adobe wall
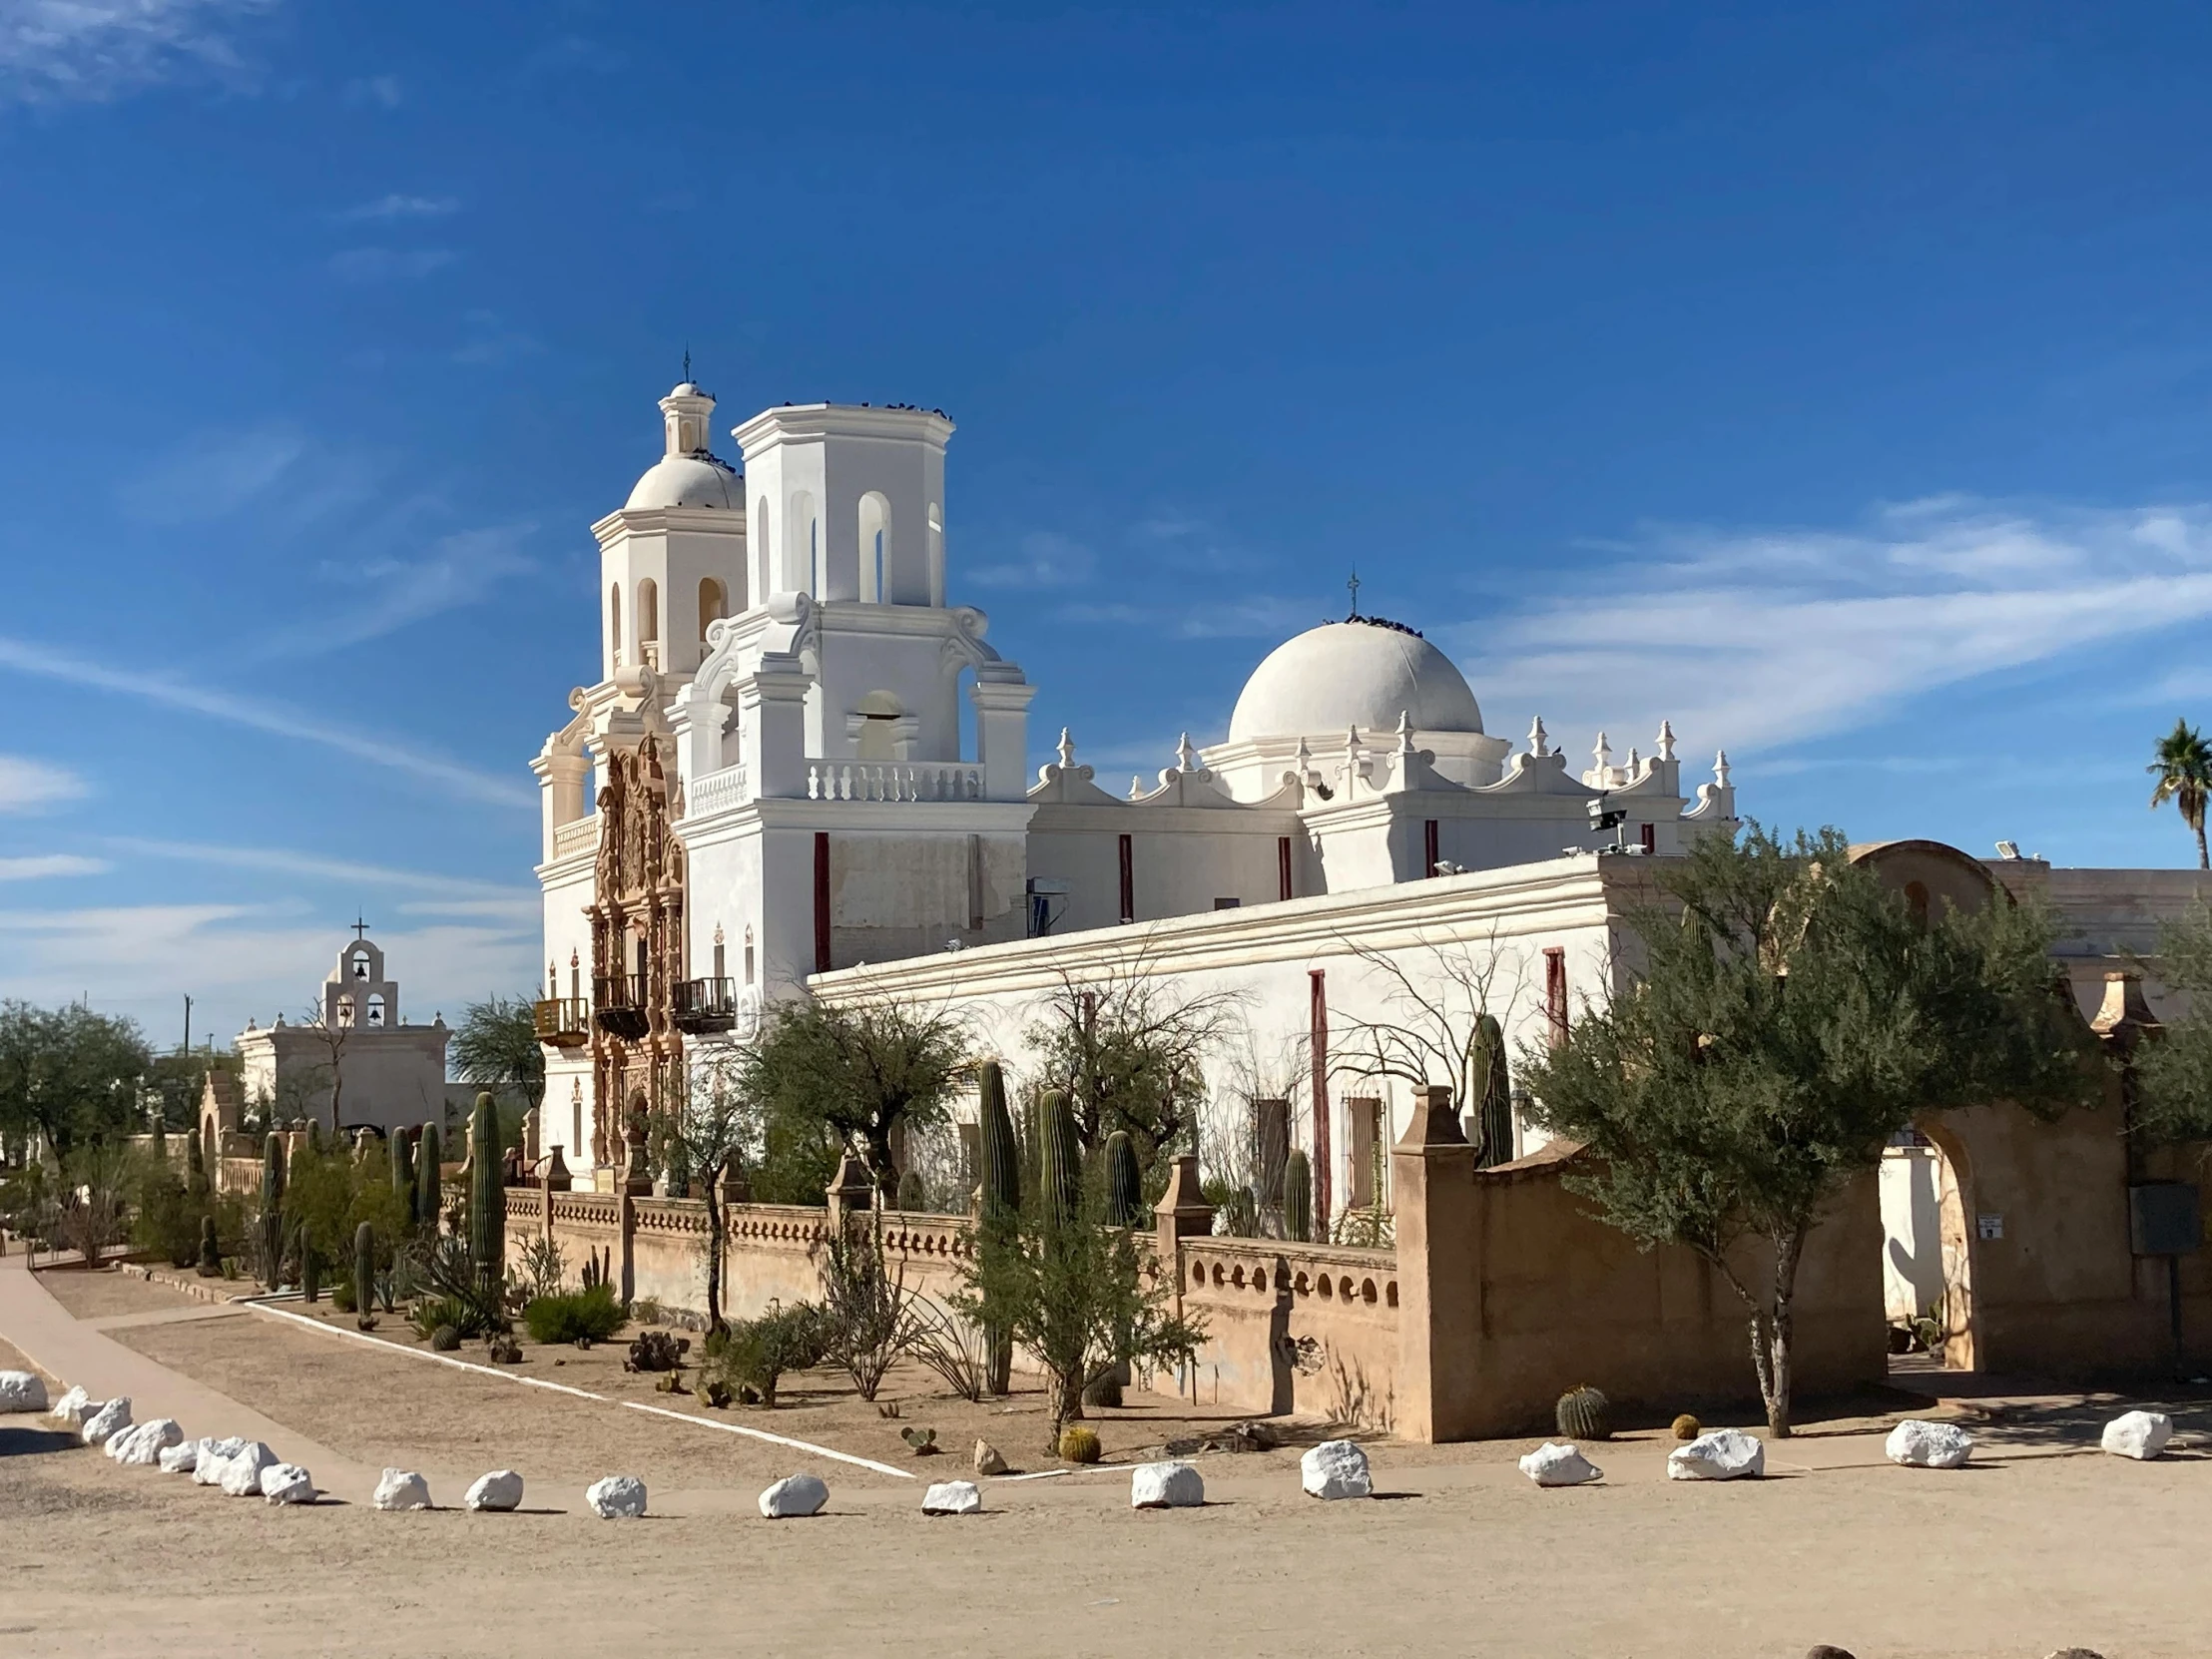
pixel 1292 1328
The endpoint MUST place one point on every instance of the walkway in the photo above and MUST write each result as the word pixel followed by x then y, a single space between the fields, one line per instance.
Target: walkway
pixel 82 1356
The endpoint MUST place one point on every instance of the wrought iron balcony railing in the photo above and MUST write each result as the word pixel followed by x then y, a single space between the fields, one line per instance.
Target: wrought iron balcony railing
pixel 704 1005
pixel 562 1021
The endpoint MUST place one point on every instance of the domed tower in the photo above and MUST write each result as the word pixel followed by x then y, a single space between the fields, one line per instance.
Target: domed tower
pixel 672 560
pixel 1361 675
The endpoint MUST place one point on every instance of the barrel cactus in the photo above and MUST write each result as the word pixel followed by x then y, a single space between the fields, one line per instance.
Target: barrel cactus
pixel 1582 1414
pixel 272 1209
pixel 1079 1443
pixel 1494 1077
pixel 1687 1427
pixel 446 1339
pixel 1298 1197
pixel 1123 1184
pixel 488 1197
pixel 430 1179
pixel 1060 1168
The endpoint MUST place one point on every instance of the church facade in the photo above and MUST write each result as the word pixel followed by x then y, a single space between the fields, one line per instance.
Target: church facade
pixel 359 1064
pixel 764 794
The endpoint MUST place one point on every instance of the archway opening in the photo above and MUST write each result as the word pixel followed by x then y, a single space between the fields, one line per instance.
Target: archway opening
pixel 1927 1222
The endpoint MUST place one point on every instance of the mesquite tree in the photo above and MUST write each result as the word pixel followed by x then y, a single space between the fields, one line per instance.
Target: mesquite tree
pixel 1789 1015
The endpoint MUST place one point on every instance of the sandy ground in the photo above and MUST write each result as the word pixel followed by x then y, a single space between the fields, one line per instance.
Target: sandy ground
pixel 2037 1545
pixel 108 1292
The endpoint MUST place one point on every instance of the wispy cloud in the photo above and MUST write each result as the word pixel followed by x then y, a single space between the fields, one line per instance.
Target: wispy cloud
pixel 388 265
pixel 460 570
pixel 278 720
pixel 90 51
pixel 36 866
pixel 1755 639
pixel 434 894
pixel 395 207
pixel 30 786
pixel 213 474
pixel 1195 618
pixel 1047 559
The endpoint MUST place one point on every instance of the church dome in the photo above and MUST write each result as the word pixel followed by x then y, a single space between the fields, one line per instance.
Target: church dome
pixel 686 481
pixel 1362 671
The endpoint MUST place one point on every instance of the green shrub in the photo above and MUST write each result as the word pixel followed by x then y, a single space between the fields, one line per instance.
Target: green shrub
pixel 752 1356
pixel 590 1316
pixel 437 1312
pixel 341 1296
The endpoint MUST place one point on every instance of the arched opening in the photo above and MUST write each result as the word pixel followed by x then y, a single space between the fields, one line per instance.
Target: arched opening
pixel 801 546
pixel 649 614
pixel 936 554
pixel 376 1009
pixel 712 606
pixel 614 624
pixel 749 955
pixel 876 546
pixel 1928 1227
pixel 360 964
pixel 1915 900
pixel 761 539
pixel 346 1010
pixel 878 737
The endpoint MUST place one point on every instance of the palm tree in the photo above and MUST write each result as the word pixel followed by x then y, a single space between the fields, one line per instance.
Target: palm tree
pixel 2184 773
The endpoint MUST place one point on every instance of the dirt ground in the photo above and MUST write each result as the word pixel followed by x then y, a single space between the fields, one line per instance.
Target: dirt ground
pixel 2040 1543
pixel 107 1292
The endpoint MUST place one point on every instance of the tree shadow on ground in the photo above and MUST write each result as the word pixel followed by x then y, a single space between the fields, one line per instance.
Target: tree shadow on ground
pixel 29 1442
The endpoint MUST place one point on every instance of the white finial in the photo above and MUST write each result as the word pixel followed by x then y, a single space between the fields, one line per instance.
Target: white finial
pixel 1136 787
pixel 1603 752
pixel 1404 734
pixel 1186 758
pixel 1666 740
pixel 1540 742
pixel 1304 755
pixel 1635 763
pixel 1719 768
pixel 1068 750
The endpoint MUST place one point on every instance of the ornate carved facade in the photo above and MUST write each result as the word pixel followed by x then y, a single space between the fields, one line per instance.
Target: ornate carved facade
pixel 637 952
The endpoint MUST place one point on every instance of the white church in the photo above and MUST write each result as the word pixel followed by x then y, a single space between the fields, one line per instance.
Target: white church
pixel 762 794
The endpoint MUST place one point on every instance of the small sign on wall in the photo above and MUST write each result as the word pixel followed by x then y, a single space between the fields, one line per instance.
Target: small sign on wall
pixel 1989 1226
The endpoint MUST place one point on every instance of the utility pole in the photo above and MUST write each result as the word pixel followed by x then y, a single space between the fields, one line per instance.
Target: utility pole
pixel 188 1024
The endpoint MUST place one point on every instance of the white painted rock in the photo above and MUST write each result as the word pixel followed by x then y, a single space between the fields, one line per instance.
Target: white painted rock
pixel 1336 1468
pixel 401 1489
pixel 1166 1487
pixel 1928 1445
pixel 114 1415
pixel 22 1391
pixel 242 1471
pixel 500 1489
pixel 1557 1464
pixel 215 1456
pixel 181 1459
pixel 142 1444
pixel 1724 1455
pixel 74 1407
pixel 288 1483
pixel 617 1497
pixel 2141 1435
pixel 793 1496
pixel 953 1497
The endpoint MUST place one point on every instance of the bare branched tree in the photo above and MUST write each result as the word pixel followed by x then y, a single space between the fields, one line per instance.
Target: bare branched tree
pixel 1129 1046
pixel 1432 1033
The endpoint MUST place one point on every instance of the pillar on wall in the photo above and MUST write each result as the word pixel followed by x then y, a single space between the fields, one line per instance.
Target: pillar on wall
pixel 1182 1212
pixel 772 728
pixel 850 1192
pixel 1002 731
pixel 1438 1319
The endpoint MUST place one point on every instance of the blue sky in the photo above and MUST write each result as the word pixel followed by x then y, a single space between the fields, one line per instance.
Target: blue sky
pixel 1834 381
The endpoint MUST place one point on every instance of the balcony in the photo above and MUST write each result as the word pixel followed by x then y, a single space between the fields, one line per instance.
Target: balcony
pixel 562 1021
pixel 619 1006
pixel 706 1005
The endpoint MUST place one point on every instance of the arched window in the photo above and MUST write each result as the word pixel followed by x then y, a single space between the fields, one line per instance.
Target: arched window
pixel 876 549
pixel 711 605
pixel 376 1009
pixel 648 613
pixel 802 546
pixel 614 624
pixel 936 554
pixel 360 964
pixel 749 955
pixel 346 1010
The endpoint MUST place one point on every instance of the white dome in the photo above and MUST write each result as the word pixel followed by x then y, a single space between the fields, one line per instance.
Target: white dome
pixel 1357 673
pixel 686 481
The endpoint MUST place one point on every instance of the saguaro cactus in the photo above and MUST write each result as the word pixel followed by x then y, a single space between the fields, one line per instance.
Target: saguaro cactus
pixel 430 1179
pixel 195 1169
pixel 364 1269
pixel 404 1177
pixel 1496 1081
pixel 1000 1198
pixel 273 1208
pixel 488 1197
pixel 1298 1197
pixel 211 1251
pixel 1061 1166
pixel 1124 1183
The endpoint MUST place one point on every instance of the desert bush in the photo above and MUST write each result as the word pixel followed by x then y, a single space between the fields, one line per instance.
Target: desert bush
pixel 589 1315
pixel 867 1313
pixel 437 1313
pixel 956 1348
pixel 442 1269
pixel 544 1268
pixel 752 1356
